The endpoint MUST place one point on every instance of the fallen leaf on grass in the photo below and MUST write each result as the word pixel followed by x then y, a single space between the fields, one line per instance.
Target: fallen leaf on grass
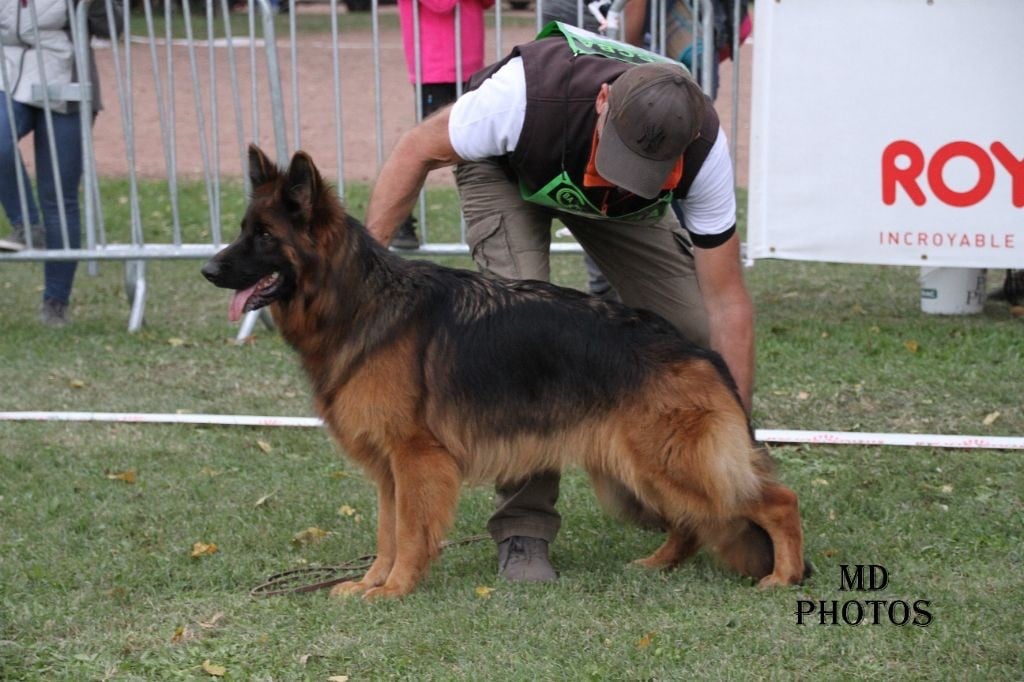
pixel 176 341
pixel 76 383
pixel 262 502
pixel 201 549
pixel 127 476
pixel 310 536
pixel 912 346
pixel 213 670
pixel 483 592
pixel 338 678
pixel 213 621
pixel 803 395
pixel 946 488
pixel 990 418
pixel 264 446
pixel 181 634
pixel 819 481
pixel 645 641
pixel 345 510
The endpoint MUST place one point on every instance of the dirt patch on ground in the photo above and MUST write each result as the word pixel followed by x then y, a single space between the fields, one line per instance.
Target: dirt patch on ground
pixel 207 127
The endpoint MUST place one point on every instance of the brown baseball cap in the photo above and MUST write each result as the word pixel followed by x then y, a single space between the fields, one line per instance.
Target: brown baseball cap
pixel 654 112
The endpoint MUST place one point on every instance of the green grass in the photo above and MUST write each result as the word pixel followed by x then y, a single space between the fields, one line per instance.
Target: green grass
pixel 96 579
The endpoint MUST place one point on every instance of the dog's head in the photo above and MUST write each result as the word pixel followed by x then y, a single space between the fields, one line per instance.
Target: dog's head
pixel 263 264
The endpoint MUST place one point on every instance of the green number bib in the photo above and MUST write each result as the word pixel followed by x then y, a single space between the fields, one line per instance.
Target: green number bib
pixel 561 193
pixel 584 42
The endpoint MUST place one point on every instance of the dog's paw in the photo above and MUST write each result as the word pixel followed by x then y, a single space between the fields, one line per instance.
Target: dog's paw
pixel 655 563
pixel 385 592
pixel 347 589
pixel 772 580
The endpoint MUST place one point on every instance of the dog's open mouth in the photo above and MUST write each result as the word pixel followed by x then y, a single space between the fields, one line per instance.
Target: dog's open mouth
pixel 255 297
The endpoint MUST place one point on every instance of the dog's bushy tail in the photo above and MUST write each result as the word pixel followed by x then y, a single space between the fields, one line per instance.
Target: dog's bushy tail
pixel 744 547
pixel 741 544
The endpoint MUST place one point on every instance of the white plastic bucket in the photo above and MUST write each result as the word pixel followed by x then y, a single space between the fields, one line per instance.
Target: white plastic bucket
pixel 952 291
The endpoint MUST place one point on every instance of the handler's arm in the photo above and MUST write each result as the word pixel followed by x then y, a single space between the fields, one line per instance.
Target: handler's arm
pixel 730 311
pixel 419 151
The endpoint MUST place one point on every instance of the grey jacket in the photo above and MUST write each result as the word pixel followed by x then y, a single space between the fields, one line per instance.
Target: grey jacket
pixel 37 48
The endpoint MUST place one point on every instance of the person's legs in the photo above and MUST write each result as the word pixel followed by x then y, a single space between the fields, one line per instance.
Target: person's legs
pixel 651 266
pixel 509 237
pixel 433 97
pixel 67 136
pixel 10 163
pixel 597 283
pixel 436 96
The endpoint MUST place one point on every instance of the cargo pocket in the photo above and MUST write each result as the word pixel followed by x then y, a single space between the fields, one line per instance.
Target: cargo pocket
pixel 490 247
pixel 684 243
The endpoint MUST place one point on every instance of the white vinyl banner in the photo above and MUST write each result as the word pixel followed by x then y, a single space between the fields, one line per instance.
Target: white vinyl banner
pixel 888 131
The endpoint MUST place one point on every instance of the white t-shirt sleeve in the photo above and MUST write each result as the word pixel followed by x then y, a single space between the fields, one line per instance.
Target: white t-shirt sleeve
pixel 710 205
pixel 486 122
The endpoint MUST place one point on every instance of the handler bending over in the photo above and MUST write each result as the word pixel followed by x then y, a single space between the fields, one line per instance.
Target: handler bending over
pixel 602 136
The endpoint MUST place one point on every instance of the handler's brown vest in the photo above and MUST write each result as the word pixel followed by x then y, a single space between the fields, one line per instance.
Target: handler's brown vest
pixel 558 128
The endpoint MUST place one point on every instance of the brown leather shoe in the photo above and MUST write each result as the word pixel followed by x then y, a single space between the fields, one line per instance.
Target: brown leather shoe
pixel 524 559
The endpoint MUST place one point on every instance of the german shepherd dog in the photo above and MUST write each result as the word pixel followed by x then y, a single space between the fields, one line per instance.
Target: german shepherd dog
pixel 430 376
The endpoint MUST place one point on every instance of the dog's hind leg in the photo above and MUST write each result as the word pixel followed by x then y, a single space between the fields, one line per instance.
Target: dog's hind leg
pixel 427 480
pixel 385 559
pixel 777 512
pixel 679 546
pixel 617 499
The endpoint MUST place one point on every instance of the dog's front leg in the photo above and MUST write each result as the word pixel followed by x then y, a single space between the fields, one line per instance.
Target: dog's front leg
pixel 381 567
pixel 427 481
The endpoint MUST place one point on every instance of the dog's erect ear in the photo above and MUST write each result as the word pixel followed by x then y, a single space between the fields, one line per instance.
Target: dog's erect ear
pixel 304 185
pixel 261 169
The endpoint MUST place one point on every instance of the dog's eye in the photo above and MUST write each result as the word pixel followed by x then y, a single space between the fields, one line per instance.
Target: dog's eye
pixel 265 237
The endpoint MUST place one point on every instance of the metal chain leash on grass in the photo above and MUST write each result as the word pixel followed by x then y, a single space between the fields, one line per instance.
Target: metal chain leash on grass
pixel 299 580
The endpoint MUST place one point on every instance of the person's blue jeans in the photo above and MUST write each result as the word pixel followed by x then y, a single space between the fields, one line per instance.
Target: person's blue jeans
pixel 67 134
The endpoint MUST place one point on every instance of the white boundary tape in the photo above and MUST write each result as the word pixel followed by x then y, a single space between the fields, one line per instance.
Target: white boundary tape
pixel 149 418
pixel 764 435
pixel 925 440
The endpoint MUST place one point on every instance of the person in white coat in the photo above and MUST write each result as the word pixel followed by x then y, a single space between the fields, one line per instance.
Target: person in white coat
pixel 36 37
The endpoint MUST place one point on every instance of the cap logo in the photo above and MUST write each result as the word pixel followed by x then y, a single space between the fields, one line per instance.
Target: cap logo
pixel 651 138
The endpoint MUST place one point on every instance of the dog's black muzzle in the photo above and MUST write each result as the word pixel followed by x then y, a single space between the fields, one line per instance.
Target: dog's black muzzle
pixel 219 272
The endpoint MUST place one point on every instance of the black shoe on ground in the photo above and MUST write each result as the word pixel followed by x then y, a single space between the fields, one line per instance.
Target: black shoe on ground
pixel 53 313
pixel 523 559
pixel 406 238
pixel 15 241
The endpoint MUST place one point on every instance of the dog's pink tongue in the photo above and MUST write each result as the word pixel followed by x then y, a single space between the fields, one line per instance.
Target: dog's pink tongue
pixel 238 302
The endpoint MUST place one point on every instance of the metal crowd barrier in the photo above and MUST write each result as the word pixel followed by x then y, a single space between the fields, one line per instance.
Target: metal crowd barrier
pixel 203 108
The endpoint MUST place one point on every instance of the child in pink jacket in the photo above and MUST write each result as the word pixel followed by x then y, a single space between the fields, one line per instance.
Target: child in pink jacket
pixel 437 61
pixel 437 45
